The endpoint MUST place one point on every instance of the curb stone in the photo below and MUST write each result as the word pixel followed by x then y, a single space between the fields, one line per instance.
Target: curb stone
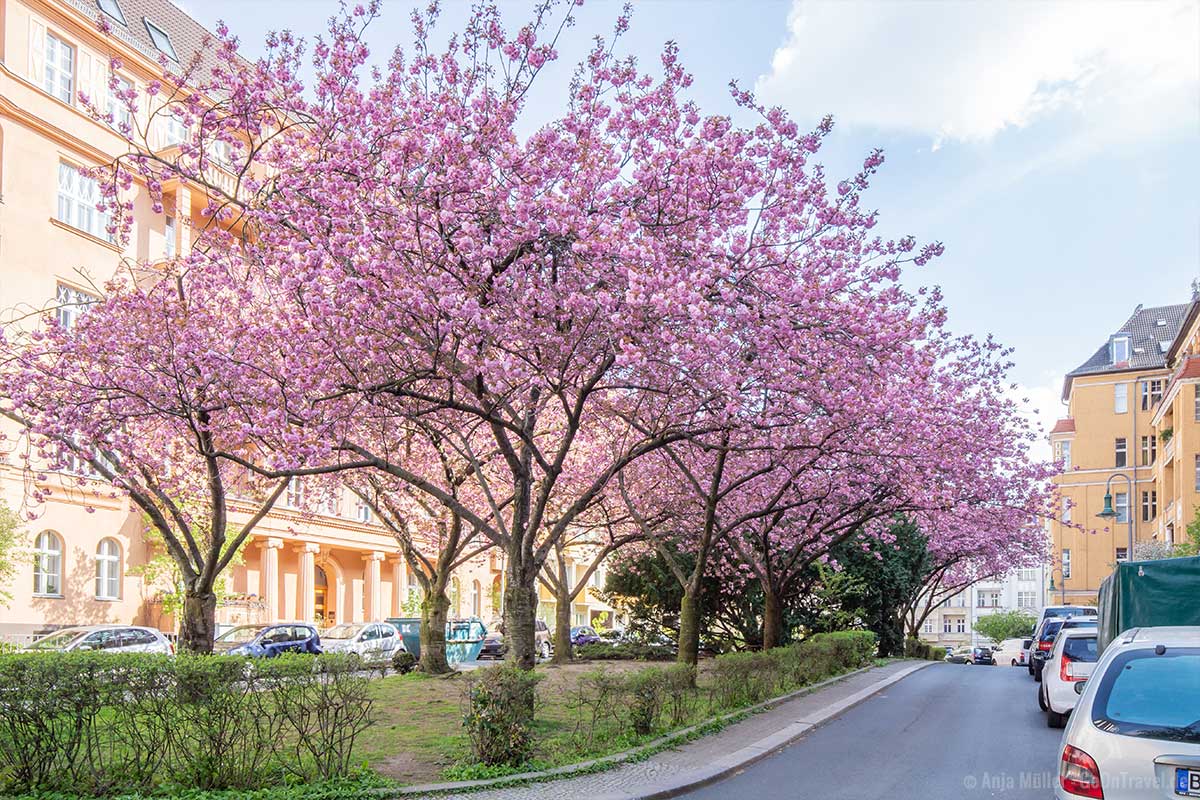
pixel 716 771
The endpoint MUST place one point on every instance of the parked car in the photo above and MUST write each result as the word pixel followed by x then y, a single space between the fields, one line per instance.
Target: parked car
pixel 1015 651
pixel 1134 732
pixel 1053 613
pixel 583 634
pixel 268 641
pixel 1045 639
pixel 374 642
pixel 1071 661
pixel 494 645
pixel 982 655
pixel 957 656
pixel 108 638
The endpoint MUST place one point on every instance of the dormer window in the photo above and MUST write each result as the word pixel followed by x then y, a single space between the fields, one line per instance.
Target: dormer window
pixel 160 38
pixel 113 9
pixel 1119 349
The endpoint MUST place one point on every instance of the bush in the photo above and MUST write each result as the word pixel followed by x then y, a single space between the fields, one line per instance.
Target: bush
pixel 915 648
pixel 597 697
pixel 499 713
pixel 937 654
pixel 646 690
pixel 625 651
pixel 679 684
pixel 105 723
pixel 403 662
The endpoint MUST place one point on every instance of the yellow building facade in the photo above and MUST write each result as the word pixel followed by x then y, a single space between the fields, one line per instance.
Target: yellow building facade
pixel 1110 442
pixel 1177 423
pixel 89 556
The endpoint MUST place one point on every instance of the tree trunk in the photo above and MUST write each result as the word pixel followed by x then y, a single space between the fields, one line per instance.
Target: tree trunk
pixel 772 626
pixel 562 628
pixel 689 627
pixel 520 611
pixel 199 623
pixel 435 606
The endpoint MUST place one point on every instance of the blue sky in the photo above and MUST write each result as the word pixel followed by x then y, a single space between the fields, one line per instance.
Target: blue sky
pixel 1053 147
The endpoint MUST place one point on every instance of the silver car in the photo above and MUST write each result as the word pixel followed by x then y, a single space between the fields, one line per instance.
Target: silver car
pixel 106 638
pixel 374 642
pixel 1135 732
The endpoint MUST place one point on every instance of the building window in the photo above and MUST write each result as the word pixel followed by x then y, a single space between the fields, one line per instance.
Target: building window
pixel 1062 454
pixel 108 570
pixel 1066 511
pixel 77 198
pixel 111 8
pixel 1196 401
pixel 362 511
pixel 1149 450
pixel 988 599
pixel 70 305
pixel 960 625
pixel 160 38
pixel 59 69
pixel 1026 599
pixel 1122 554
pixel 1120 398
pixel 295 495
pixel 927 626
pixel 47 564
pixel 1197 472
pixel 1151 393
pixel 947 626
pixel 476 599
pixel 122 120
pixel 1121 506
pixel 169 234
pixel 1027 575
pixel 172 129
pixel 1149 505
pixel 1120 349
pixel 1066 562
pixel 1121 455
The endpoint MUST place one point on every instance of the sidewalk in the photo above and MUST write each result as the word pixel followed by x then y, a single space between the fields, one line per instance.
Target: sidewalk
pixel 711 758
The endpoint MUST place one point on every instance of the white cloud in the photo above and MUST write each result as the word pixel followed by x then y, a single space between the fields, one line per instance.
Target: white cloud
pixel 965 71
pixel 1043 406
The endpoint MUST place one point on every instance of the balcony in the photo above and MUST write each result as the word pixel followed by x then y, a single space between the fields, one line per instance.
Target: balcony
pixel 1168 451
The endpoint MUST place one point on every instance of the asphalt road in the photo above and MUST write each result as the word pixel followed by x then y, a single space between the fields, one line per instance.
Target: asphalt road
pixel 947 731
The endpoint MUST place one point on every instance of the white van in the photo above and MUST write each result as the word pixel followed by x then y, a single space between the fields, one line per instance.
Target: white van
pixel 1014 651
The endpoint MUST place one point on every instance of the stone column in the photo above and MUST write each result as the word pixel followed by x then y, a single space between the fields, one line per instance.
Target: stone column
pixel 270 570
pixel 398 578
pixel 308 581
pixel 373 609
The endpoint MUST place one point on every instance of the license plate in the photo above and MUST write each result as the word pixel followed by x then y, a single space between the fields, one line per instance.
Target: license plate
pixel 1187 782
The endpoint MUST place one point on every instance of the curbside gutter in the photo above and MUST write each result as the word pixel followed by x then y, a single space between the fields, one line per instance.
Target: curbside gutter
pixel 695 779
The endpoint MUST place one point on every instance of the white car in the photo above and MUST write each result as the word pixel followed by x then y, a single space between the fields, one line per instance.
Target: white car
pixel 1070 661
pixel 1015 651
pixel 106 638
pixel 375 642
pixel 1135 732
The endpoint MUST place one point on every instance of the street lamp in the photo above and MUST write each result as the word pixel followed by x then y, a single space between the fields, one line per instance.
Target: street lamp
pixel 1063 596
pixel 1110 513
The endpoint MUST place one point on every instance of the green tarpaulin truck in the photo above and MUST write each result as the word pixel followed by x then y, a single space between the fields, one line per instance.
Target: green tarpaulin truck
pixel 1149 593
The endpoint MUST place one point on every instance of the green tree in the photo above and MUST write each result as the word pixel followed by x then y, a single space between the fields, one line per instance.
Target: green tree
pixel 1005 625
pixel 12 539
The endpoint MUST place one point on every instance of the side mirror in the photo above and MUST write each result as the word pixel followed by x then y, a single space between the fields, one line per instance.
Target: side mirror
pixel 1079 686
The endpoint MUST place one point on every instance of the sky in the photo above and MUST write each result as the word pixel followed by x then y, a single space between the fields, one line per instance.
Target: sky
pixel 1051 146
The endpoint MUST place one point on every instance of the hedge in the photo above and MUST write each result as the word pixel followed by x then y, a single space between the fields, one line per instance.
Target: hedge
pixel 109 723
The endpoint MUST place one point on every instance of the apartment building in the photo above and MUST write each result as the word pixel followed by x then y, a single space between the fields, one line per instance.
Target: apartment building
pixel 89 555
pixel 1177 425
pixel 1113 441
pixel 952 623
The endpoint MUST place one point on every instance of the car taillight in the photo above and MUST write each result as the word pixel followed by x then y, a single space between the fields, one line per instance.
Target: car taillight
pixel 1064 670
pixel 1078 773
pixel 1045 646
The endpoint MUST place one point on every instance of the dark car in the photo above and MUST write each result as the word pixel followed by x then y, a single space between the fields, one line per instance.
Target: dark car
pixel 268 641
pixel 494 645
pixel 1045 640
pixel 982 655
pixel 582 634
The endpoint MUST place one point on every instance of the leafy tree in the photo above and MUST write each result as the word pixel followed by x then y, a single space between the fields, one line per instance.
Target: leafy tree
pixel 1005 625
pixel 12 538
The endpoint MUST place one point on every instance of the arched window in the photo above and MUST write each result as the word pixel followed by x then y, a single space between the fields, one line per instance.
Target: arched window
pixel 476 599
pixel 47 564
pixel 108 570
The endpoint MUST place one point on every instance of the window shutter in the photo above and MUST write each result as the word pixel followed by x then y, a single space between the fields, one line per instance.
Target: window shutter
pixel 37 52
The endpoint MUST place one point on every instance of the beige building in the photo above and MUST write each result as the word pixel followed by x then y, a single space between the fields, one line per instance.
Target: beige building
pixel 89 554
pixel 1111 441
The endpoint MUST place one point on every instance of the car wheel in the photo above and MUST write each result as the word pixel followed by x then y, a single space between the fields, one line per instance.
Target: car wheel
pixel 545 651
pixel 1037 676
pixel 1042 701
pixel 1055 719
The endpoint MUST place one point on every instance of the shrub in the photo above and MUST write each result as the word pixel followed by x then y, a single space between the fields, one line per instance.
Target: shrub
pixel 915 648
pixel 595 700
pixel 742 679
pixel 679 684
pixel 937 653
pixel 625 651
pixel 646 691
pixel 403 662
pixel 499 713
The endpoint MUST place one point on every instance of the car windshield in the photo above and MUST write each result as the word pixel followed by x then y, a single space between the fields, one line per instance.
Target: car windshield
pixel 1051 630
pixel 343 631
pixel 1080 648
pixel 58 640
pixel 1070 611
pixel 1152 696
pixel 240 634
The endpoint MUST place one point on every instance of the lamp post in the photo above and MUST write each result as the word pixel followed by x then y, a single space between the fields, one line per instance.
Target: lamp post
pixel 1062 598
pixel 1110 513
